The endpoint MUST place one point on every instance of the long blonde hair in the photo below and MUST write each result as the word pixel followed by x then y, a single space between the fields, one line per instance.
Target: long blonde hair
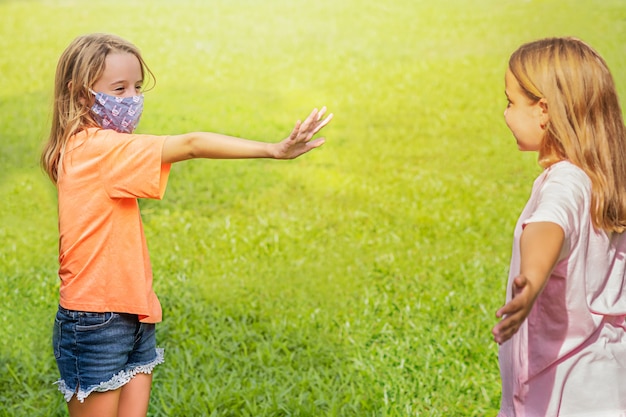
pixel 79 68
pixel 585 124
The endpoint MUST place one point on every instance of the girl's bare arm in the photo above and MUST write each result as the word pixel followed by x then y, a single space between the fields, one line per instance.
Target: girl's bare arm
pixel 540 248
pixel 217 146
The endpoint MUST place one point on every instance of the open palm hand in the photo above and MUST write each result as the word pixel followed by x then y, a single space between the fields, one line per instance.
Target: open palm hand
pixel 301 140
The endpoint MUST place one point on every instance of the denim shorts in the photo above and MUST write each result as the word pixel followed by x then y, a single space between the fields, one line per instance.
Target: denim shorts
pixel 98 352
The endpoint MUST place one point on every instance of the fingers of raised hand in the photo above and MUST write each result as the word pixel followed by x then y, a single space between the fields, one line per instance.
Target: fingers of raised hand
pixel 296 131
pixel 321 123
pixel 314 123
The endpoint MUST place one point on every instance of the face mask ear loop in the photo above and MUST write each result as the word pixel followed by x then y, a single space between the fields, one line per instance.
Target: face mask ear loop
pixel 86 100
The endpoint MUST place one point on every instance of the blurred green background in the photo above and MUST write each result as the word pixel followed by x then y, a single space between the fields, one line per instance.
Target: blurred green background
pixel 359 280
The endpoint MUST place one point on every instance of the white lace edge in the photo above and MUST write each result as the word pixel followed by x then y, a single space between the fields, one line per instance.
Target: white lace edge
pixel 118 380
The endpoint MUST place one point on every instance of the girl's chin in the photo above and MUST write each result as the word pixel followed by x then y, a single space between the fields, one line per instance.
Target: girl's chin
pixel 525 148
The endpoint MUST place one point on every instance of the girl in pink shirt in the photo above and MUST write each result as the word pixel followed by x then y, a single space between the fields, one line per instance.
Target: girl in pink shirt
pixel 104 340
pixel 562 335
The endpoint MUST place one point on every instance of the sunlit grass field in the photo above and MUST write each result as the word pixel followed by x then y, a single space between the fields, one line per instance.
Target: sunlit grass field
pixel 359 280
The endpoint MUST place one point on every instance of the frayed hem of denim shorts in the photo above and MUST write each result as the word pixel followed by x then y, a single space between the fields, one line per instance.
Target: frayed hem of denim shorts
pixel 118 380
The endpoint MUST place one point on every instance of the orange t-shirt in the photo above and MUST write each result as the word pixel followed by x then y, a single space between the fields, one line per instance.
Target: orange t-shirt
pixel 103 255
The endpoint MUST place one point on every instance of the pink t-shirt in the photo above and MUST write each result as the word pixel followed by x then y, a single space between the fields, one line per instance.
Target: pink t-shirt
pixel 569 356
pixel 103 255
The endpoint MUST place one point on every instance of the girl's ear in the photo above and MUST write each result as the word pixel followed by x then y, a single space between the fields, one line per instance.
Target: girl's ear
pixel 81 99
pixel 542 108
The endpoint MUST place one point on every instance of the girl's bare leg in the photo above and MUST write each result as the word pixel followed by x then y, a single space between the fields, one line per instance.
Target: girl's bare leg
pixel 129 401
pixel 97 404
pixel 135 396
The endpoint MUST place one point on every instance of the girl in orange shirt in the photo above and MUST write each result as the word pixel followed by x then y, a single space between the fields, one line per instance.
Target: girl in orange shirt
pixel 104 340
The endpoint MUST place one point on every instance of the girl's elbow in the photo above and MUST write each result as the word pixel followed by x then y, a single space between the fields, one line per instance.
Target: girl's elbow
pixel 180 148
pixel 190 147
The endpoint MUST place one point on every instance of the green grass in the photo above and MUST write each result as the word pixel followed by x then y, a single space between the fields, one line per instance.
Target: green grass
pixel 360 280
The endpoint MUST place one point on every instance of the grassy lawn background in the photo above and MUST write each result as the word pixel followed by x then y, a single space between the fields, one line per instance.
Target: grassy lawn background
pixel 360 280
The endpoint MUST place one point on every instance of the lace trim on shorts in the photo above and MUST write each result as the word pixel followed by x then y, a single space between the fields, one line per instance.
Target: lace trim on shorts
pixel 118 380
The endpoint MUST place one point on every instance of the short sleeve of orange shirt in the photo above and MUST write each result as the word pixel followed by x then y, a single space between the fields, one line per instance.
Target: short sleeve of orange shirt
pixel 103 255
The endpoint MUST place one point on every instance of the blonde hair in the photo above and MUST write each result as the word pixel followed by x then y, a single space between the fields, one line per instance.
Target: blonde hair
pixel 79 68
pixel 585 124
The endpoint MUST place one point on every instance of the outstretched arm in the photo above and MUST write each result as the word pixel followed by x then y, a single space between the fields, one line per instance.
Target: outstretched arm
pixel 216 146
pixel 540 247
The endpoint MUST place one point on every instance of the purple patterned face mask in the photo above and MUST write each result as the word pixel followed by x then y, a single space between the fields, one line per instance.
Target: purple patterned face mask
pixel 121 114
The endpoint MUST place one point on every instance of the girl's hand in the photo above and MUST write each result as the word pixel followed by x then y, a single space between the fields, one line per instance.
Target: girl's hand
pixel 540 248
pixel 515 311
pixel 299 141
